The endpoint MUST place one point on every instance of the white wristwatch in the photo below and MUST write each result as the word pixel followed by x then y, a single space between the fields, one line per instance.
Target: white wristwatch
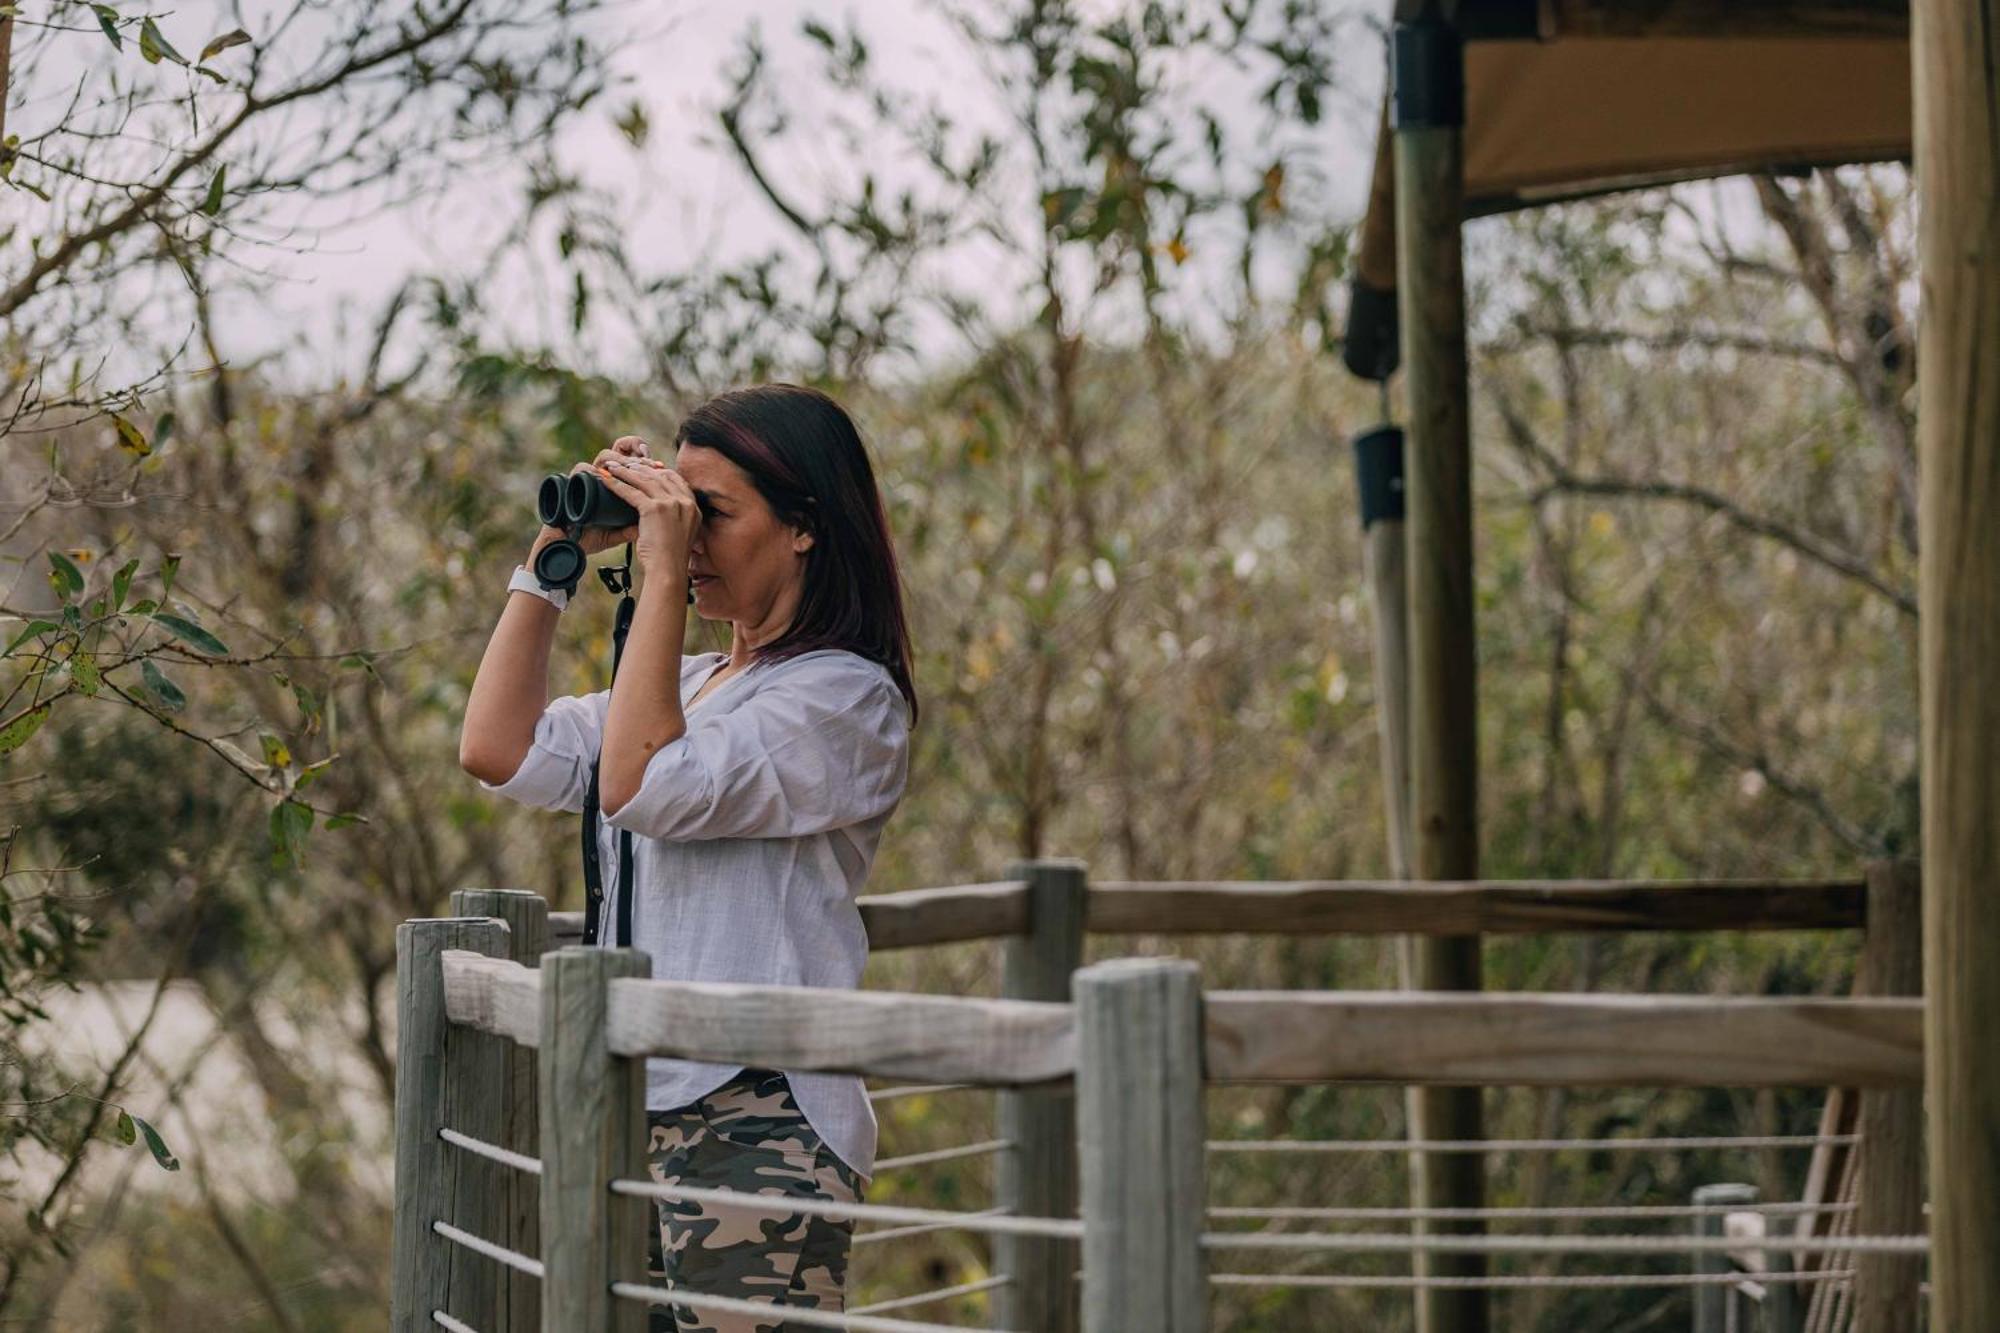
pixel 525 581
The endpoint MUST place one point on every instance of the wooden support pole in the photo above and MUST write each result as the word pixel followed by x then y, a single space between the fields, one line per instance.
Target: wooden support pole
pixel 1429 103
pixel 1037 1177
pixel 527 918
pixel 1140 1128
pixel 447 1077
pixel 1889 1193
pixel 1711 1304
pixel 1955 52
pixel 593 1129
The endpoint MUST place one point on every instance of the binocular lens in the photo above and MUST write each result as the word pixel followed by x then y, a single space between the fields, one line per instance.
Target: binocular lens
pixel 549 501
pixel 588 502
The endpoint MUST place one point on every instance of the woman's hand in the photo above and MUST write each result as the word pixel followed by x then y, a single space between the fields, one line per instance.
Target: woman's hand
pixel 668 512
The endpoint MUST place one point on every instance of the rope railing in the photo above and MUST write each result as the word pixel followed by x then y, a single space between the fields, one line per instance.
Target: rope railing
pixel 1403 1243
pixel 492 1152
pixel 901 1233
pixel 1535 1145
pixel 915 1090
pixel 1606 1212
pixel 794 1316
pixel 941 1294
pixel 995 1224
pixel 1517 1281
pixel 983 1149
pixel 514 1259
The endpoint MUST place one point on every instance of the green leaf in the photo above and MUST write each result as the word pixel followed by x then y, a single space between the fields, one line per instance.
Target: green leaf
pixel 83 670
pixel 168 567
pixel 276 753
pixel 309 774
pixel 342 821
pixel 168 693
pixel 213 203
pixel 33 628
pixel 163 429
pixel 192 633
pixel 16 733
pixel 158 1145
pixel 145 606
pixel 125 1131
pixel 290 822
pixel 130 438
pixel 121 583
pixel 216 46
pixel 203 69
pixel 153 45
pixel 64 576
pixel 107 19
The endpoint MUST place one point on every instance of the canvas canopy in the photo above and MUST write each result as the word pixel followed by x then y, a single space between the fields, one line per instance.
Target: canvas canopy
pixel 1566 102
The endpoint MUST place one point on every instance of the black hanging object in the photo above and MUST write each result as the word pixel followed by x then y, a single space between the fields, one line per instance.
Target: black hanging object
pixel 1378 473
pixel 619 581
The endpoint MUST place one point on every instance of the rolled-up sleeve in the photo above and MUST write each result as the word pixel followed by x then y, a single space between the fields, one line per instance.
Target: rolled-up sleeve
pixel 810 752
pixel 555 775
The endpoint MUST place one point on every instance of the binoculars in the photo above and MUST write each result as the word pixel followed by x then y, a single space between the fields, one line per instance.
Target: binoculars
pixel 581 500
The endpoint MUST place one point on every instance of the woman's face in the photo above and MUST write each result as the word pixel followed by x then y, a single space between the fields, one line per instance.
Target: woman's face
pixel 746 565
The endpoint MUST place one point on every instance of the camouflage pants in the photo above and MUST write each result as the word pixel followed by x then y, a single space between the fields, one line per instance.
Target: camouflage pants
pixel 746 1135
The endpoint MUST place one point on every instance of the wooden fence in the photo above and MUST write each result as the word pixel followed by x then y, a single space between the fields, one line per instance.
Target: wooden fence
pixel 517 1083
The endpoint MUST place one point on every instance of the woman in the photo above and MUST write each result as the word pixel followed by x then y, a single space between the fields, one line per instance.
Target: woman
pixel 756 784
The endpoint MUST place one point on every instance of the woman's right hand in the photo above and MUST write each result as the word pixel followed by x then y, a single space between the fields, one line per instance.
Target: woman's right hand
pixel 594 540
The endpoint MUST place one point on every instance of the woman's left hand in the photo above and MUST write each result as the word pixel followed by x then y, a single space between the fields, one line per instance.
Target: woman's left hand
pixel 668 511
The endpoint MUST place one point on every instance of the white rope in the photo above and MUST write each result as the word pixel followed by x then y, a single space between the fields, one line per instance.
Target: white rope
pixel 443 1320
pixel 916 1090
pixel 900 1233
pixel 493 1152
pixel 793 1315
pixel 1069 1228
pixel 512 1258
pixel 1531 1145
pixel 1380 1242
pixel 1526 1280
pixel 941 1294
pixel 984 1149
pixel 1610 1211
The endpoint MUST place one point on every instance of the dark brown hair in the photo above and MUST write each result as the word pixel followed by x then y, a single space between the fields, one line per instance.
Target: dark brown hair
pixel 805 457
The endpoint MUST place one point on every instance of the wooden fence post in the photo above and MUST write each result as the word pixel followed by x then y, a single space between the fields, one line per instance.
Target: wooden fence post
pixel 593 1113
pixel 447 1077
pixel 1037 1176
pixel 527 918
pixel 1140 1134
pixel 1711 1303
pixel 1889 1193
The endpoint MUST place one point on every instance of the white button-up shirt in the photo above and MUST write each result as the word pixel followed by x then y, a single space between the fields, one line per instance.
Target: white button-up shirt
pixel 752 835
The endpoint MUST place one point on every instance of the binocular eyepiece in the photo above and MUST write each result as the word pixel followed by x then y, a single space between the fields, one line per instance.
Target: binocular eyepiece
pixel 581 500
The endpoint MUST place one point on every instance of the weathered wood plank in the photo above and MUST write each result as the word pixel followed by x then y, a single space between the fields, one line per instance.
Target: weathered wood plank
pixel 1038 1177
pixel 527 918
pixel 1488 907
pixel 493 995
pixel 447 1077
pixel 1889 1193
pixel 593 1131
pixel 925 1038
pixel 1141 1127
pixel 1955 58
pixel 945 915
pixel 1562 1040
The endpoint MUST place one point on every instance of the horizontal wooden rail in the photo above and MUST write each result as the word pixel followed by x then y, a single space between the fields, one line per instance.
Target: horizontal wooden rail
pixel 1561 1040
pixel 943 1039
pixel 1484 907
pixel 1359 907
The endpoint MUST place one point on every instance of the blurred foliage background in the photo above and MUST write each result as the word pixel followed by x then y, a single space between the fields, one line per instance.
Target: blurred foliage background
pixel 1094 354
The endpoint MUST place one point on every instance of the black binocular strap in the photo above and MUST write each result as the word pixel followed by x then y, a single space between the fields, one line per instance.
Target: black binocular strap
pixel 593 875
